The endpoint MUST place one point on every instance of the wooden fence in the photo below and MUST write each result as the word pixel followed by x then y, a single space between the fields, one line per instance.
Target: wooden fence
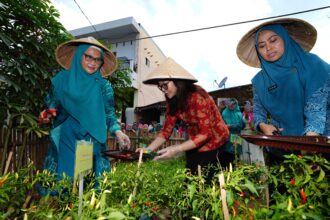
pixel 17 148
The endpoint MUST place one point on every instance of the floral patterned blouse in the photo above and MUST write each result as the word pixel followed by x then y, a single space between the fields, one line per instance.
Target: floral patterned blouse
pixel 206 127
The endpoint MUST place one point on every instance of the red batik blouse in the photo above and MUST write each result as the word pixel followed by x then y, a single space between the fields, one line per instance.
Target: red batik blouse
pixel 206 127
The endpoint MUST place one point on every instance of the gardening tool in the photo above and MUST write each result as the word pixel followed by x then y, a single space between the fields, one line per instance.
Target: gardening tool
pixel 308 143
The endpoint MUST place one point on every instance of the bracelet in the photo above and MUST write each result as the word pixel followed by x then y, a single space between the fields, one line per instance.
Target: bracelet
pixel 146 151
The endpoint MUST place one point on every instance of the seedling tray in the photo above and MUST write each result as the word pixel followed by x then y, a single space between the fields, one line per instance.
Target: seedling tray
pixel 126 155
pixel 307 143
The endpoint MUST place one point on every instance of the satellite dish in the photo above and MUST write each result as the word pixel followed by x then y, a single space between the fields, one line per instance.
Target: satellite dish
pixel 222 83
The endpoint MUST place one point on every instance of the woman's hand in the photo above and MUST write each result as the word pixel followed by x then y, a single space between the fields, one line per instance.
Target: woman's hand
pixel 168 152
pixel 269 129
pixel 45 115
pixel 123 140
pixel 311 133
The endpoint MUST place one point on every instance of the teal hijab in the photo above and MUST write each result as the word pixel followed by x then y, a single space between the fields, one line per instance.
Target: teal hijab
pixel 284 86
pixel 79 93
pixel 232 116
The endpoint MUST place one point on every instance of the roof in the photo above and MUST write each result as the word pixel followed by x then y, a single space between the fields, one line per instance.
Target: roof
pixel 117 29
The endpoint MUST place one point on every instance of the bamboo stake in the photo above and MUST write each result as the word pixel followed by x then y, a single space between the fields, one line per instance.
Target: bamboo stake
pixel 137 173
pixel 8 161
pixel 199 170
pixel 223 197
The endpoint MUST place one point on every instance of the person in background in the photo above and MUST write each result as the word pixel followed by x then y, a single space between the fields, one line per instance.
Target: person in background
pixel 193 106
pixel 250 152
pixel 292 85
pixel 82 104
pixel 233 118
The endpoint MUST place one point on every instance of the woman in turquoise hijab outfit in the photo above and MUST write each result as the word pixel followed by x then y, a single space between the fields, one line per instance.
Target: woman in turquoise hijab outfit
pixel 233 118
pixel 291 92
pixel 82 104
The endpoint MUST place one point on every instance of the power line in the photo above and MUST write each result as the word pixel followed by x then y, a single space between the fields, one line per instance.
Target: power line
pixel 230 24
pixel 205 28
pixel 87 19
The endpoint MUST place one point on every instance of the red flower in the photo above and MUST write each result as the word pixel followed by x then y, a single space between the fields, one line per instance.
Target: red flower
pixel 303 196
pixel 293 182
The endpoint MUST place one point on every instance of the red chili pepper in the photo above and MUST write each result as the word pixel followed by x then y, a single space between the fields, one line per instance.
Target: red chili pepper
pixel 154 209
pixel 233 211
pixel 300 156
pixel 134 205
pixel 71 205
pixel 3 180
pixel 147 203
pixel 242 194
pixel 303 196
pixel 41 120
pixel 293 182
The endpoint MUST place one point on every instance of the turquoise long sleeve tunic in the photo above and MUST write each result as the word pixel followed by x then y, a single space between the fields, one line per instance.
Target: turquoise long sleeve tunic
pixel 66 130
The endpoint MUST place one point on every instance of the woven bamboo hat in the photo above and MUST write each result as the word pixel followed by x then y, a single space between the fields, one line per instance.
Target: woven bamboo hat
pixel 299 30
pixel 64 54
pixel 168 70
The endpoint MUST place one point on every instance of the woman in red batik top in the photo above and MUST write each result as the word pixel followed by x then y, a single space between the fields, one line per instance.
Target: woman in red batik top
pixel 191 104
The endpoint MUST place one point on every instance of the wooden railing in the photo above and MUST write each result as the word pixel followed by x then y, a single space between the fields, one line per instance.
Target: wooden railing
pixel 143 138
pixel 17 148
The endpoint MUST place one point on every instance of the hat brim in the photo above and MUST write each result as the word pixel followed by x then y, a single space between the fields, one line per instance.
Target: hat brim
pixel 64 54
pixel 154 81
pixel 301 31
pixel 168 70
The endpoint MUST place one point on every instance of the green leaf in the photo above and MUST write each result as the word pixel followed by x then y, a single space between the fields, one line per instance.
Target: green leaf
pixel 116 216
pixel 321 176
pixel 251 187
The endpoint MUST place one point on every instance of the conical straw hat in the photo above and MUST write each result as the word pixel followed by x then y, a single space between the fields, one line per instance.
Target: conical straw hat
pixel 168 70
pixel 301 31
pixel 65 52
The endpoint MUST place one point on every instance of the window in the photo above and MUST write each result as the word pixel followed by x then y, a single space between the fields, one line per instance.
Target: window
pixel 147 62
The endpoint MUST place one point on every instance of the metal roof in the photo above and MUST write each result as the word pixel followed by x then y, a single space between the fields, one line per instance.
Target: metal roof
pixel 117 29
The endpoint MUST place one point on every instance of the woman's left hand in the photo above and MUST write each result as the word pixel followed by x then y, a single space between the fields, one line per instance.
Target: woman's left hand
pixel 311 133
pixel 123 140
pixel 168 152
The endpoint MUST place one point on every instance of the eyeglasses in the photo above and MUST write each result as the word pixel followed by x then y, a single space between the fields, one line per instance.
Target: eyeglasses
pixel 163 87
pixel 89 58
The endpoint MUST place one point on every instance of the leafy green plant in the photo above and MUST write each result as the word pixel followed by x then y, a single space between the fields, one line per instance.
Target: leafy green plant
pixel 165 190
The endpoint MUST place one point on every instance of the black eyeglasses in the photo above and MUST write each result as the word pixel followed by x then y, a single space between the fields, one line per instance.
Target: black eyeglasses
pixel 89 58
pixel 163 87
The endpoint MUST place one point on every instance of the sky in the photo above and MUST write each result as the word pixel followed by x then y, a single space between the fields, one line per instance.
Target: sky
pixel 209 55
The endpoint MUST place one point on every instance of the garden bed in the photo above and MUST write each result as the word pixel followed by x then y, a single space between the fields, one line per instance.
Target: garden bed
pixel 299 189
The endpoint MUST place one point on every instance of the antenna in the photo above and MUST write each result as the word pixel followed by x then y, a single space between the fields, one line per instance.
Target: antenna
pixel 222 83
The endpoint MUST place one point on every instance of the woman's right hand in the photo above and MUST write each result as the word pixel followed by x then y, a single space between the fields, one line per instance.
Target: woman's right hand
pixel 45 115
pixel 269 129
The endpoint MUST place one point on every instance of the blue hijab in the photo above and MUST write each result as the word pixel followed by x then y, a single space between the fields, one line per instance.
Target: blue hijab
pixel 284 86
pixel 80 95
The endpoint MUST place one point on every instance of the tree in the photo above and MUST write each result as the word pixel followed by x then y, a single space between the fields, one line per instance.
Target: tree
pixel 122 86
pixel 29 35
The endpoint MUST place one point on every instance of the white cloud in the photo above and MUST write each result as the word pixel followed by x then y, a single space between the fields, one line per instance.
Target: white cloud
pixel 215 49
